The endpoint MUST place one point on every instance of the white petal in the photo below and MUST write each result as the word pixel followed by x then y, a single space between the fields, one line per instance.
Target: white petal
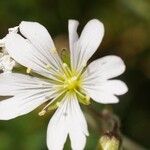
pixel 73 37
pixel 24 53
pixel 14 83
pixel 78 140
pixel 115 87
pixel 104 68
pixel 21 104
pixel 14 29
pixel 29 93
pixel 88 42
pixel 58 129
pixel 77 126
pixel 101 96
pixel 68 119
pixel 96 82
pixel 38 35
pixel 105 92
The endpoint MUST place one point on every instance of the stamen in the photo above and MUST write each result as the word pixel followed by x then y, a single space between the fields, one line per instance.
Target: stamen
pixel 28 70
pixel 42 113
pixel 67 70
pixel 79 93
pixel 54 104
pixel 71 83
pixel 84 99
pixel 65 65
pixel 58 104
pixel 87 98
pixel 56 73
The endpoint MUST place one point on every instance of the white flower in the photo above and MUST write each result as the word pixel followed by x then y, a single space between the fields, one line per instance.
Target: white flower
pixel 64 85
pixel 6 62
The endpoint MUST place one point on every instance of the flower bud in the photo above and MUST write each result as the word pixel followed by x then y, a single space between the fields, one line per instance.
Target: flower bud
pixel 107 142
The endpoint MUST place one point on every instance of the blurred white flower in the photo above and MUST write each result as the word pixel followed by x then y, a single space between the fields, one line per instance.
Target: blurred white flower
pixel 64 86
pixel 2 46
pixel 6 62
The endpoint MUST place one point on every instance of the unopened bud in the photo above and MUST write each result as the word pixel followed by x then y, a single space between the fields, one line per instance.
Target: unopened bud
pixel 107 142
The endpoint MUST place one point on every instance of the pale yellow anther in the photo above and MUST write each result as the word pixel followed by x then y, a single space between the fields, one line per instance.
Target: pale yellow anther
pixel 58 104
pixel 66 69
pixel 74 78
pixel 42 113
pixel 28 70
pixel 65 86
pixel 87 98
pixel 65 65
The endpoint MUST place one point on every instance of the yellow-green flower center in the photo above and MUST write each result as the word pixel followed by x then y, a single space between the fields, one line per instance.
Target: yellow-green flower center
pixel 71 83
pixel 68 82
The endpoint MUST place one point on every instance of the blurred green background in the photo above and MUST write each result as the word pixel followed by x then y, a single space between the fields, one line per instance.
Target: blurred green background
pixel 127 34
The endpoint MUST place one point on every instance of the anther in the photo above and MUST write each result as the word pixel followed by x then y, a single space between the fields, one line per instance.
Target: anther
pixel 66 69
pixel 74 78
pixel 42 113
pixel 58 104
pixel 65 65
pixel 87 98
pixel 28 70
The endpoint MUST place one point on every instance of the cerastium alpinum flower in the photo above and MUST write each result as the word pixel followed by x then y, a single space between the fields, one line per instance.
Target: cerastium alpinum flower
pixel 63 86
